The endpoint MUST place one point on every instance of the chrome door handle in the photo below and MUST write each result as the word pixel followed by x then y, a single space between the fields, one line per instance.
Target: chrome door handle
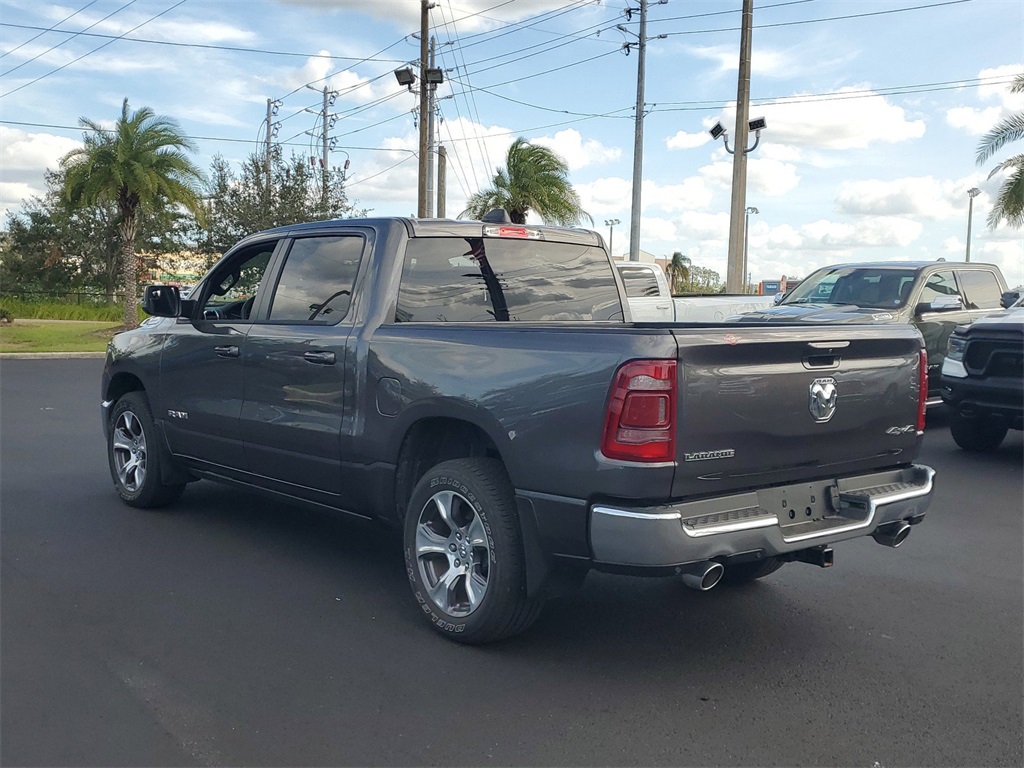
pixel 319 358
pixel 229 351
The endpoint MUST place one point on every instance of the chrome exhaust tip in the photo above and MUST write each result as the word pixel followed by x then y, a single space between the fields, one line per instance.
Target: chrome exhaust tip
pixel 702 576
pixel 892 535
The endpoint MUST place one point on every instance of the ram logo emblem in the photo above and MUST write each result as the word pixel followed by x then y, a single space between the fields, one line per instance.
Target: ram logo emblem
pixel 823 397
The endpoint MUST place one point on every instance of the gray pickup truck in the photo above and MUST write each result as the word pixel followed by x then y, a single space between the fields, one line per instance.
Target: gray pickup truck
pixel 480 386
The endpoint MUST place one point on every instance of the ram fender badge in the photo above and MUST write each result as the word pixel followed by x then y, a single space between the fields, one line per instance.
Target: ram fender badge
pixel 822 399
pixel 725 453
pixel 178 414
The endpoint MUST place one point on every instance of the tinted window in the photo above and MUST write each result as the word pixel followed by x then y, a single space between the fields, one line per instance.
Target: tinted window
pixel 939 284
pixel 639 282
pixel 316 283
pixel 232 288
pixel 468 280
pixel 981 289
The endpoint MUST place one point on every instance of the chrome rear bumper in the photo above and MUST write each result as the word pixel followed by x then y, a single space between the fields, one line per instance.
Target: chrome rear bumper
pixel 769 521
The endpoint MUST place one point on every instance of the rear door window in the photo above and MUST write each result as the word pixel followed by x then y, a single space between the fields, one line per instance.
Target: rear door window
pixel 316 281
pixel 980 289
pixel 474 280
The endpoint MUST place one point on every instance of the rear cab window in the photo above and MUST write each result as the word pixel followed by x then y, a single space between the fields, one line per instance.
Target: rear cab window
pixel 492 279
pixel 640 282
pixel 980 289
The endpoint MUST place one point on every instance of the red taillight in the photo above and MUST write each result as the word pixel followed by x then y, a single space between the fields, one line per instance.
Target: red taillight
pixel 922 390
pixel 640 424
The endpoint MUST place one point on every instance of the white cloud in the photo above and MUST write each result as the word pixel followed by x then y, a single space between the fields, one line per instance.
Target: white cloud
pixel 570 145
pixel 870 231
pixel 472 15
pixel 973 121
pixel 26 155
pixel 684 140
pixel 852 122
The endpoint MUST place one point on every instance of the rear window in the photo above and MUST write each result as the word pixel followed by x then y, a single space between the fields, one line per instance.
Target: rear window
pixel 474 280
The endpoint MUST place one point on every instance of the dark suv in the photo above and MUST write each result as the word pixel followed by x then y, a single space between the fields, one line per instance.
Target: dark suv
pixel 983 379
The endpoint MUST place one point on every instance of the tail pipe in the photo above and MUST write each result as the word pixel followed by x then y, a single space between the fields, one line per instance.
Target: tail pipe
pixel 892 534
pixel 702 576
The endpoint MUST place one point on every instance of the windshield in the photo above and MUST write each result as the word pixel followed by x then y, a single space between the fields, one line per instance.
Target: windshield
pixel 874 287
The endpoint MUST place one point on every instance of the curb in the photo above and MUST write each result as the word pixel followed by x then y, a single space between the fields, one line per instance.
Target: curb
pixel 50 355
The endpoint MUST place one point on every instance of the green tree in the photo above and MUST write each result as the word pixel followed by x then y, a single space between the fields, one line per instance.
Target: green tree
pixel 54 246
pixel 141 165
pixel 679 272
pixel 1009 203
pixel 534 179
pixel 704 280
pixel 241 203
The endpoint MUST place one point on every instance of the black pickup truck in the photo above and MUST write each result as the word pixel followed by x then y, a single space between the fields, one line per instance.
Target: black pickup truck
pixel 480 386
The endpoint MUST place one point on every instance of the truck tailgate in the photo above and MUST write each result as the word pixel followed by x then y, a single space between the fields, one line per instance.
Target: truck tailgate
pixel 786 404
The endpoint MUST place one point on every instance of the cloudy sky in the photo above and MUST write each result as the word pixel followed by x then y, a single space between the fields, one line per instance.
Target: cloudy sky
pixel 874 107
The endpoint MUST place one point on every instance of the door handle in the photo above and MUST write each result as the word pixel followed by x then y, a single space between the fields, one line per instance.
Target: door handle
pixel 319 358
pixel 229 351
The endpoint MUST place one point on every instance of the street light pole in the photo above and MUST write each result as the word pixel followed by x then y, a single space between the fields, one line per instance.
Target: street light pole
pixel 972 193
pixel 746 231
pixel 611 234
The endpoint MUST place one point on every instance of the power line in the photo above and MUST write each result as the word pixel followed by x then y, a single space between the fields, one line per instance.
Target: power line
pixel 44 30
pixel 818 21
pixel 89 53
pixel 204 46
pixel 73 36
pixel 225 139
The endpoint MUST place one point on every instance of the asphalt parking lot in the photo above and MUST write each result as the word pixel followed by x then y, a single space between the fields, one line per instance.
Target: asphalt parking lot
pixel 233 630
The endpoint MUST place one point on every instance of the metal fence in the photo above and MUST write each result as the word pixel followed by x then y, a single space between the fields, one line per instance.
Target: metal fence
pixel 87 298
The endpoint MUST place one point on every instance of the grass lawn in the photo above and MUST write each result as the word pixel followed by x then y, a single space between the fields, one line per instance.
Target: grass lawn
pixel 55 336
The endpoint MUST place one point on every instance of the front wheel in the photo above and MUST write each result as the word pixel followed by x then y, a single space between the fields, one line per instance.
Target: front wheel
pixel 979 434
pixel 134 456
pixel 464 552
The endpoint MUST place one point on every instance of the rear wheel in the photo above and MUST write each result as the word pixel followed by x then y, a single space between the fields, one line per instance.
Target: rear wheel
pixel 464 552
pixel 744 573
pixel 135 460
pixel 978 434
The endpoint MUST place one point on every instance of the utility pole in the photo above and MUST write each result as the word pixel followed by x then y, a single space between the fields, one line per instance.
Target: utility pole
pixel 421 193
pixel 638 132
pixel 326 123
pixel 442 179
pixel 272 107
pixel 430 88
pixel 734 272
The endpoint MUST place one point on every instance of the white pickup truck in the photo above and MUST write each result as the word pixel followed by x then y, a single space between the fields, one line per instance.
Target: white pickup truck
pixel 650 298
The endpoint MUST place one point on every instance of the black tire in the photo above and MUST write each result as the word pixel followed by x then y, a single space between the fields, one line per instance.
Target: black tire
pixel 744 573
pixel 464 552
pixel 978 435
pixel 134 456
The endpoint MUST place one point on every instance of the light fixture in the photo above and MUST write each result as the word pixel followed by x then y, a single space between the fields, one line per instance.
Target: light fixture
pixel 405 76
pixel 716 131
pixel 434 76
pixel 757 124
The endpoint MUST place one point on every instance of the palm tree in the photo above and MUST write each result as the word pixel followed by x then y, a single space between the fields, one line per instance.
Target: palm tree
pixel 141 164
pixel 679 272
pixel 1009 203
pixel 534 179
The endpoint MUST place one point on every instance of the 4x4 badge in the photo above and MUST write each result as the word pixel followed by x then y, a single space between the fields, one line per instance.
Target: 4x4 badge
pixel 823 396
